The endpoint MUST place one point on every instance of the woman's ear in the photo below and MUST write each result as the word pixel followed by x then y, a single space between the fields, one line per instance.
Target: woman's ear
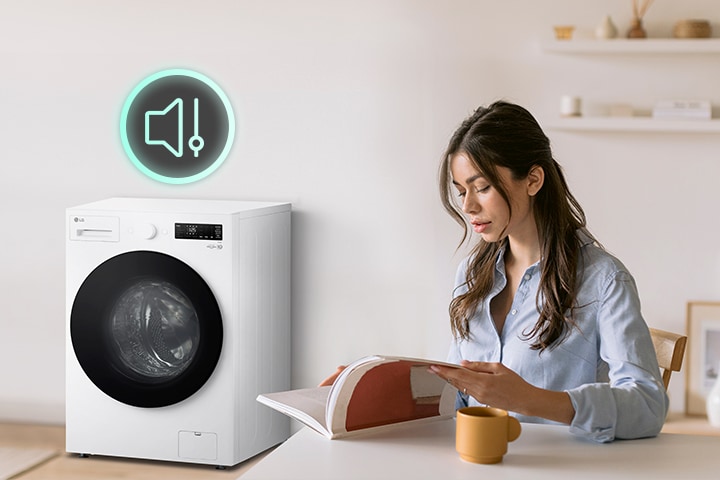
pixel 535 179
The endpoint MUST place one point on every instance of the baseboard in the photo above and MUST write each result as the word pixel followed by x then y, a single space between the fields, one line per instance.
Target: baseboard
pixel 32 412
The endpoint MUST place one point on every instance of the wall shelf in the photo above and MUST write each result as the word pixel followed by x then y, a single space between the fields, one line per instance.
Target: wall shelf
pixel 624 45
pixel 621 46
pixel 634 124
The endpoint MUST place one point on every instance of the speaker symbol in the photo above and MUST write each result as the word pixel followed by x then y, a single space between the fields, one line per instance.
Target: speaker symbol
pixel 176 108
pixel 177 126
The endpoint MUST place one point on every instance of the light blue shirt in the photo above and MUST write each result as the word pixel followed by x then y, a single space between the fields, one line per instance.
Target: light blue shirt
pixel 607 364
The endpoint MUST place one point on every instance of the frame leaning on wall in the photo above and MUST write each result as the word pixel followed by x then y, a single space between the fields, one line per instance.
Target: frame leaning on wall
pixel 703 331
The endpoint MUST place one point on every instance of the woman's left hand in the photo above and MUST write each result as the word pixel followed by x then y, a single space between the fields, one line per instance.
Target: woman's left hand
pixel 489 383
pixel 496 385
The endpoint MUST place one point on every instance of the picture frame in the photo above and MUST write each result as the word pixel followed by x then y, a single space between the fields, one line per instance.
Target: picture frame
pixel 703 354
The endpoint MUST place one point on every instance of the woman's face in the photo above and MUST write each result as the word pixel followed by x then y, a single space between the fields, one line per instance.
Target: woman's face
pixel 486 209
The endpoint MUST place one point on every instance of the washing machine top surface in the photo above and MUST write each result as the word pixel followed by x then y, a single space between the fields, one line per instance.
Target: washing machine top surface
pixel 182 205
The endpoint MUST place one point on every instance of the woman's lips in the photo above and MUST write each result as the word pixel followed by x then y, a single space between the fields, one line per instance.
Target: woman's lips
pixel 479 227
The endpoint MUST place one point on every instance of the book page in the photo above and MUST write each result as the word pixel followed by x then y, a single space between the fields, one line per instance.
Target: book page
pixel 386 391
pixel 306 405
pixel 425 387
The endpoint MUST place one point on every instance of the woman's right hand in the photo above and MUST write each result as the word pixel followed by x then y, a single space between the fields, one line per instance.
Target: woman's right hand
pixel 331 379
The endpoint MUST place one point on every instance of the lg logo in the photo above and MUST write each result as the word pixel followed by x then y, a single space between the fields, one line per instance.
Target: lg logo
pixel 177 126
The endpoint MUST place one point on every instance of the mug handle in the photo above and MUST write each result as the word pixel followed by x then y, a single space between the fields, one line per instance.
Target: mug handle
pixel 513 428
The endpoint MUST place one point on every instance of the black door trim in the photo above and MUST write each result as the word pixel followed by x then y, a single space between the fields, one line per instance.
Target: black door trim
pixel 92 342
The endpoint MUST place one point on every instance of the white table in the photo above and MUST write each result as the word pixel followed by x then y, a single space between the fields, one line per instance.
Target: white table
pixel 427 451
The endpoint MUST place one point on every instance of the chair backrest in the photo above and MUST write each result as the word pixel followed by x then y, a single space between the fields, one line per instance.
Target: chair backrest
pixel 670 350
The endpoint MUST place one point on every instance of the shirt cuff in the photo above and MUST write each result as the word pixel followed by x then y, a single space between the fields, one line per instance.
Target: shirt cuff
pixel 595 412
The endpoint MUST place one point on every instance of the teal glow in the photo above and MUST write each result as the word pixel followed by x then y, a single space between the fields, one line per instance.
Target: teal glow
pixel 197 141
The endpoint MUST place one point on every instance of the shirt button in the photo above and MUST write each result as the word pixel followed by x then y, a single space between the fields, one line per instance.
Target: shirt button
pixel 527 277
pixel 514 311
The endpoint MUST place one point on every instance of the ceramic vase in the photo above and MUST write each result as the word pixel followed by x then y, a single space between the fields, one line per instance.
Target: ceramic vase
pixel 712 404
pixel 636 29
pixel 606 28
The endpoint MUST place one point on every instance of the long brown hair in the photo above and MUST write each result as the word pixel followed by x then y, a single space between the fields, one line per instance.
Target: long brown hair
pixel 507 135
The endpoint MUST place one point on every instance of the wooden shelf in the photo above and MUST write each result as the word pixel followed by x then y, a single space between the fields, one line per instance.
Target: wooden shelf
pixel 623 45
pixel 634 124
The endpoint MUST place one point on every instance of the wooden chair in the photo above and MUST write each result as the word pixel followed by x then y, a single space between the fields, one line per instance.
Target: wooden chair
pixel 670 350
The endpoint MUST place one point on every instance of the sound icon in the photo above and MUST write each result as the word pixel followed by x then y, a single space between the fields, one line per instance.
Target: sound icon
pixel 195 143
pixel 161 136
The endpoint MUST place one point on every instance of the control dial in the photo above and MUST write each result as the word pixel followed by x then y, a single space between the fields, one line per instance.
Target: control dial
pixel 146 231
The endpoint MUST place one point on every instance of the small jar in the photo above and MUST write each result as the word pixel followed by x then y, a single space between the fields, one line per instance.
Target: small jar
pixel 570 106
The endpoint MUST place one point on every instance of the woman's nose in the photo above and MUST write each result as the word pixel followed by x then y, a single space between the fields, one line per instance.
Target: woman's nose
pixel 470 204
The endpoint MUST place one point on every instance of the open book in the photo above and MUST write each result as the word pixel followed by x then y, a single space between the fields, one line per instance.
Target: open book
pixel 371 393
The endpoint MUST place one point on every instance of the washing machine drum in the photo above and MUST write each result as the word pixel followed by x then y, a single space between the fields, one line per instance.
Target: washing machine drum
pixel 146 329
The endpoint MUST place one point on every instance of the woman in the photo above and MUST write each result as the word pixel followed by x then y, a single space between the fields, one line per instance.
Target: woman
pixel 546 323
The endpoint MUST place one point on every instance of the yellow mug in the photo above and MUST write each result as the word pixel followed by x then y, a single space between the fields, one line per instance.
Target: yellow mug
pixel 482 433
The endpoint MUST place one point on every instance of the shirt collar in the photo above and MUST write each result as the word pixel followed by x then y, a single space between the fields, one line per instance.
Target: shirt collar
pixel 582 233
pixel 500 262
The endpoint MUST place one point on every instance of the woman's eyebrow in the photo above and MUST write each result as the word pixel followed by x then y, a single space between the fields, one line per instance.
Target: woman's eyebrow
pixel 470 180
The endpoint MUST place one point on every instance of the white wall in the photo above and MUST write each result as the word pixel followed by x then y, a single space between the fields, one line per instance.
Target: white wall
pixel 343 108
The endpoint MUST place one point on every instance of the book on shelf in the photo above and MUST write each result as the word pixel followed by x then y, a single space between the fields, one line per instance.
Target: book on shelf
pixel 374 392
pixel 683 109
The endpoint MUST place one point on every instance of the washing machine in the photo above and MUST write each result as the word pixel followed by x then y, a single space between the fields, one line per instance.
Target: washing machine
pixel 178 316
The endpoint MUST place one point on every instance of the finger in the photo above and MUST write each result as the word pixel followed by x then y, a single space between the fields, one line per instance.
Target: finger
pixel 484 367
pixel 442 372
pixel 451 375
pixel 331 379
pixel 454 376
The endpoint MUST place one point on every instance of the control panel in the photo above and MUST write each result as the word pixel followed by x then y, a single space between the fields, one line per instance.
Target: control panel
pixel 198 231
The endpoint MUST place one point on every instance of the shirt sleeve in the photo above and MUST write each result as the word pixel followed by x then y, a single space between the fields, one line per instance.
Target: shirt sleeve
pixel 634 403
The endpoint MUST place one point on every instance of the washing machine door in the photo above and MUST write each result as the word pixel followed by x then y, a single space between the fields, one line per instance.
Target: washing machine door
pixel 146 329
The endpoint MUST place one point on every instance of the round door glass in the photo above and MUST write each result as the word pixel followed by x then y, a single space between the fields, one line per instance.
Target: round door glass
pixel 155 329
pixel 146 329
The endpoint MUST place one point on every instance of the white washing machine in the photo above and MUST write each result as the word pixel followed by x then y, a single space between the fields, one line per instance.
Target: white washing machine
pixel 178 316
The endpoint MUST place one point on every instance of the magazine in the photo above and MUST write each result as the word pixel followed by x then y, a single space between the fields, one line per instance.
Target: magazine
pixel 371 393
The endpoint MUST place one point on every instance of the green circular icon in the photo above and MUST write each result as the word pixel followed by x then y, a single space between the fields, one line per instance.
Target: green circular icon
pixel 177 126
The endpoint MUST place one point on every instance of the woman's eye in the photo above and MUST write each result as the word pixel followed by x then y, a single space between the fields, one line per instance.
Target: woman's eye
pixel 461 194
pixel 482 189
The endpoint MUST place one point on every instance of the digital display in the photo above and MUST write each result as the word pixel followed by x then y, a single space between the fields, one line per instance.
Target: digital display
pixel 198 231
